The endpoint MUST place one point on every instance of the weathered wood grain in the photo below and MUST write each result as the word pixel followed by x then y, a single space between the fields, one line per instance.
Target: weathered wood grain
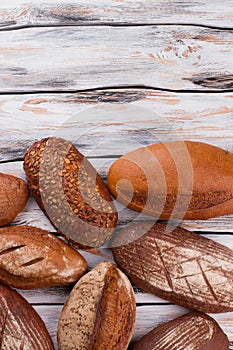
pixel 110 123
pixel 73 58
pixel 148 317
pixel 20 13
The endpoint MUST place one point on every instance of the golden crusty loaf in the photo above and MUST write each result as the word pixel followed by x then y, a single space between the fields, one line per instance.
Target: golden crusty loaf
pixel 181 179
pixel 99 313
pixel 194 331
pixel 70 192
pixel 175 264
pixel 34 258
pixel 13 197
pixel 21 328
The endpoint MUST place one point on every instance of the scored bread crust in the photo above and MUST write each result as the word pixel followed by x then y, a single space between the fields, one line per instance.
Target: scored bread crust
pixel 193 331
pixel 99 313
pixel 175 264
pixel 20 325
pixel 33 258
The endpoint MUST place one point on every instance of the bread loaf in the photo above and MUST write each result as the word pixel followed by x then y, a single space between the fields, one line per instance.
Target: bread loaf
pixel 21 328
pixel 194 331
pixel 99 313
pixel 70 192
pixel 13 197
pixel 34 258
pixel 175 180
pixel 180 266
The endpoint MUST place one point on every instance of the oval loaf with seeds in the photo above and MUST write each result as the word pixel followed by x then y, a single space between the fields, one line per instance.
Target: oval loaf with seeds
pixel 21 328
pixel 175 264
pixel 33 258
pixel 175 180
pixel 99 313
pixel 13 197
pixel 193 331
pixel 70 192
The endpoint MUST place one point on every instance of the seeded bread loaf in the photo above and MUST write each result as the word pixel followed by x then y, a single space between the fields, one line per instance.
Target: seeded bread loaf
pixel 175 264
pixel 34 258
pixel 70 192
pixel 194 331
pixel 177 180
pixel 99 313
pixel 21 328
pixel 13 197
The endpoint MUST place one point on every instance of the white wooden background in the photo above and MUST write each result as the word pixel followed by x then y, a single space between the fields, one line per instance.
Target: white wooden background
pixel 112 75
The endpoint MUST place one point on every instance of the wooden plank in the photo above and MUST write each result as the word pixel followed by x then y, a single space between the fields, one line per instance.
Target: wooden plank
pixel 16 13
pixel 110 123
pixel 148 317
pixel 73 58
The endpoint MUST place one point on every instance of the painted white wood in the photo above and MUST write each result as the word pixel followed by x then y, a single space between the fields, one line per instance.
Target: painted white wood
pixel 74 58
pixel 148 317
pixel 37 12
pixel 109 123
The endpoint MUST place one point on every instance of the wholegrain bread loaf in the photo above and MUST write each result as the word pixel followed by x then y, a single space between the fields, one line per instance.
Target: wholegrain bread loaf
pixel 194 331
pixel 70 192
pixel 13 197
pixel 33 258
pixel 175 264
pixel 21 328
pixel 175 180
pixel 99 313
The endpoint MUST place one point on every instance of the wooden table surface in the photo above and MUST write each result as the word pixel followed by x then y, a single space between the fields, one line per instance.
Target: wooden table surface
pixel 114 75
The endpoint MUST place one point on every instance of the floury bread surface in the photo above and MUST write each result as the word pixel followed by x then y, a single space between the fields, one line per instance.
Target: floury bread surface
pixel 70 192
pixel 175 264
pixel 99 313
pixel 177 180
pixel 34 258
pixel 194 331
pixel 13 197
pixel 21 328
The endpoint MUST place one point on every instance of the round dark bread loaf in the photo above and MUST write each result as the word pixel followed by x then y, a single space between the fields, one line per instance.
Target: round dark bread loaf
pixel 194 331
pixel 21 328
pixel 70 192
pixel 13 197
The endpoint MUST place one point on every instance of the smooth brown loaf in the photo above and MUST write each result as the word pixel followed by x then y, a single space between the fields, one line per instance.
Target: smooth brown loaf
pixel 181 179
pixel 99 313
pixel 194 331
pixel 70 192
pixel 13 197
pixel 21 328
pixel 34 258
pixel 175 264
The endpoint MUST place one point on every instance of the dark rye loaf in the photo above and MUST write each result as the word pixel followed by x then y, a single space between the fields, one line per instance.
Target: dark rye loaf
pixel 70 192
pixel 194 331
pixel 178 180
pixel 175 264
pixel 21 328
